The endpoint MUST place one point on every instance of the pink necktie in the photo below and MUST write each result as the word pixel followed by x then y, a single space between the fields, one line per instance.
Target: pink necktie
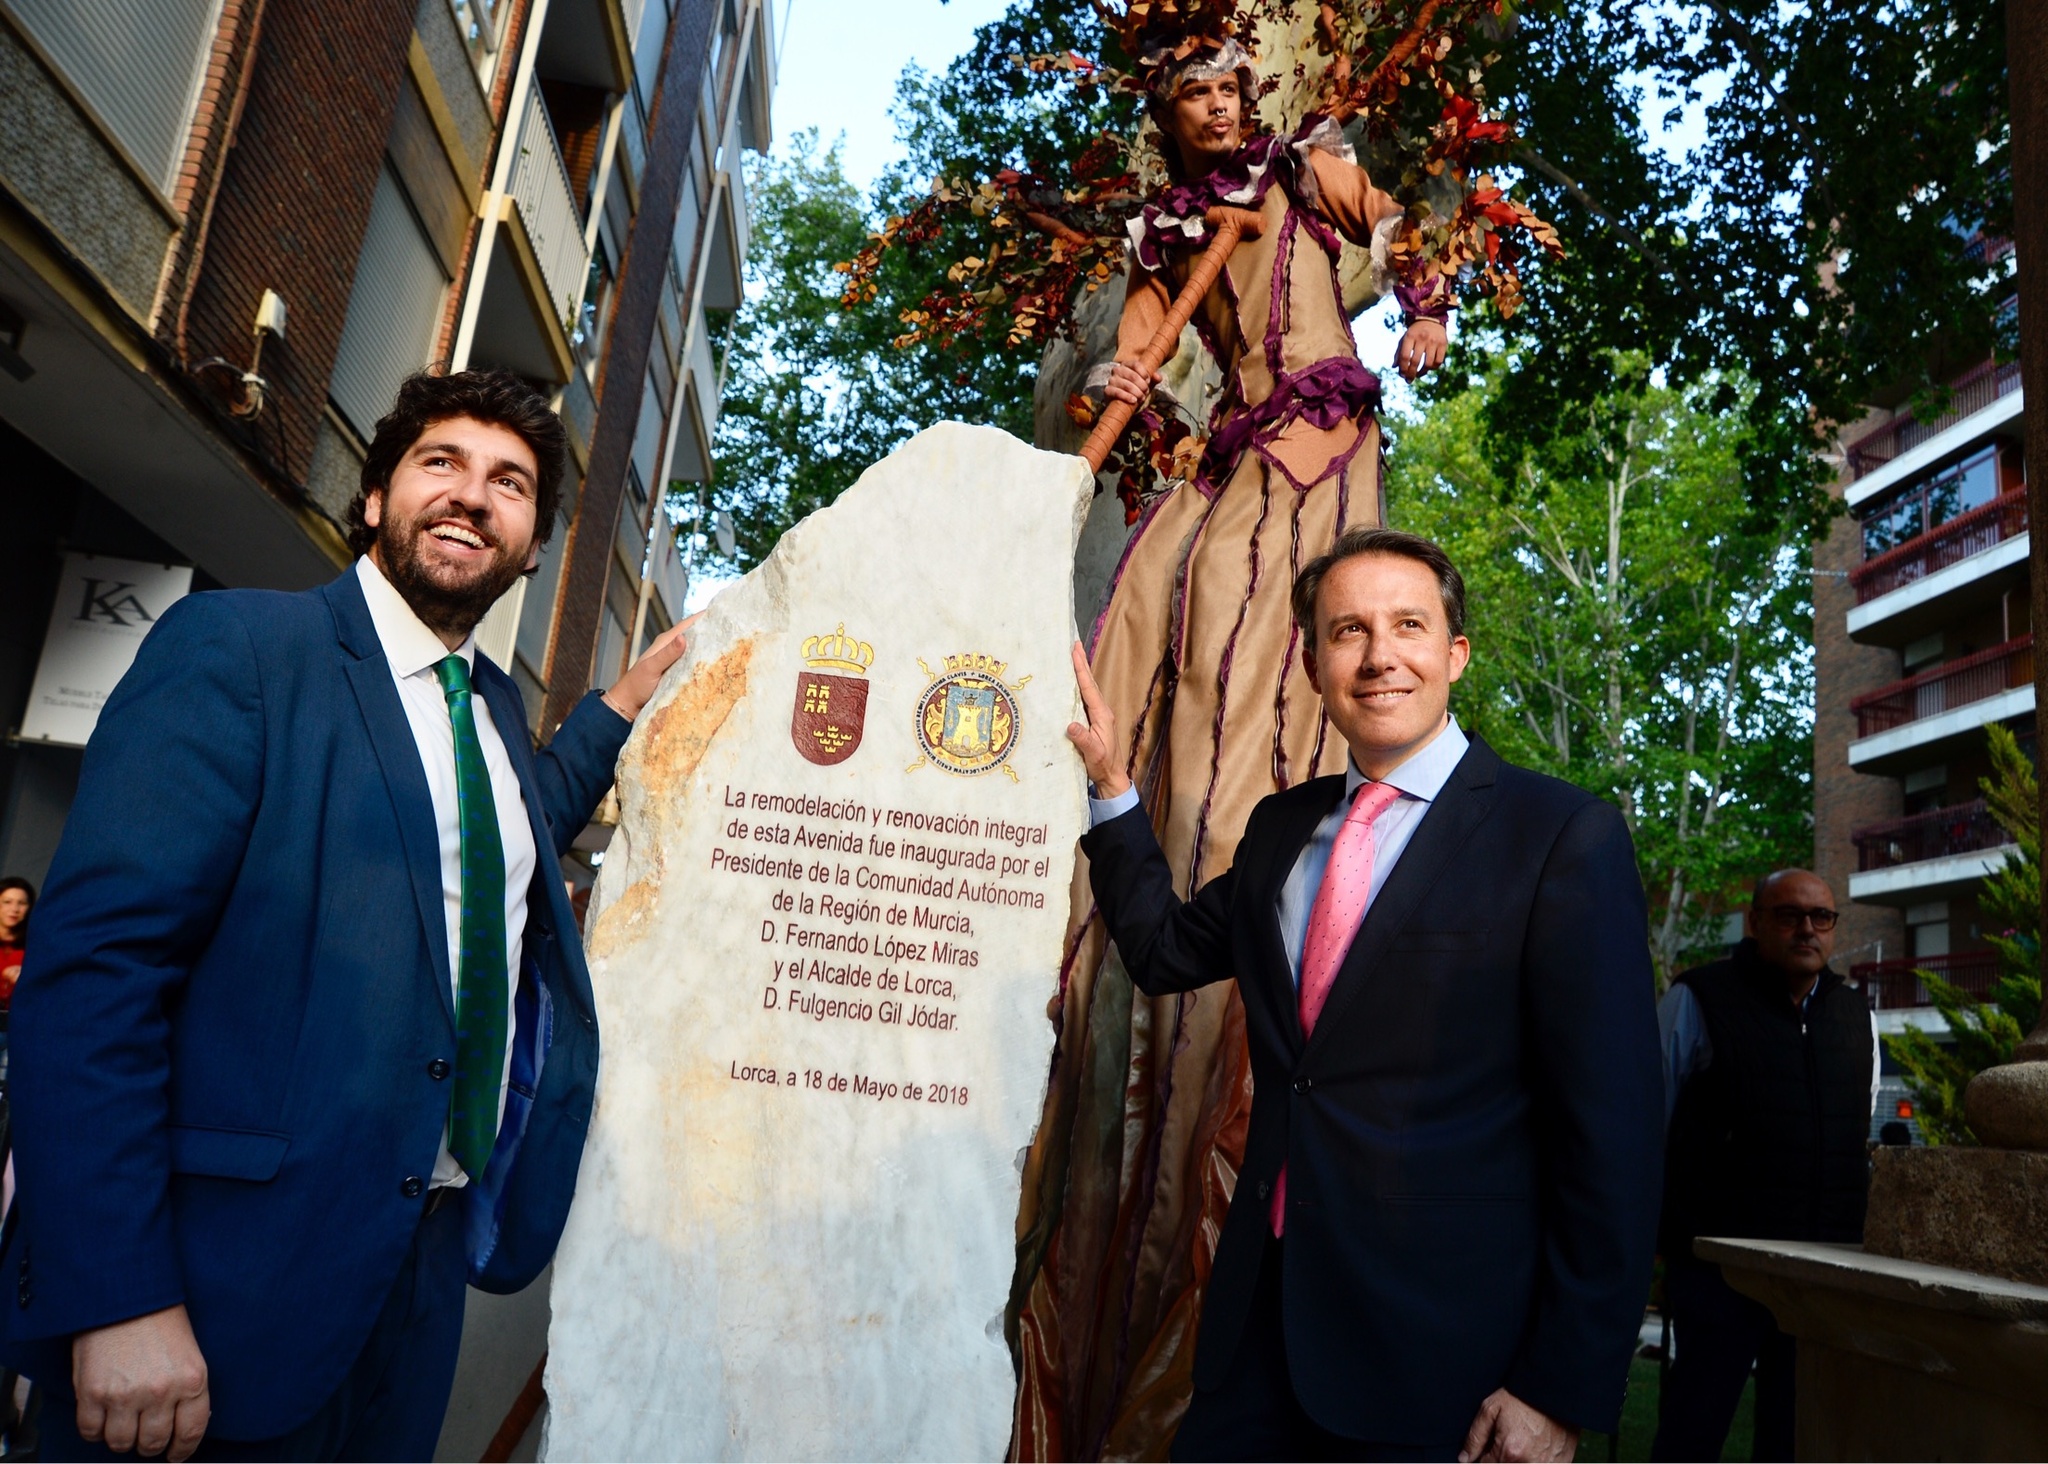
pixel 1333 923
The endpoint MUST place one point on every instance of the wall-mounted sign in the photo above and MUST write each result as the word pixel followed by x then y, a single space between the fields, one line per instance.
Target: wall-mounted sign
pixel 104 608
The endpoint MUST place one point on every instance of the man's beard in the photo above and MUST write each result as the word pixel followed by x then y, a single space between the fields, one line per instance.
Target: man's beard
pixel 445 605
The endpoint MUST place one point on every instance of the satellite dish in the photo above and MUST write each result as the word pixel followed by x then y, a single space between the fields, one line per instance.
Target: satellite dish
pixel 722 528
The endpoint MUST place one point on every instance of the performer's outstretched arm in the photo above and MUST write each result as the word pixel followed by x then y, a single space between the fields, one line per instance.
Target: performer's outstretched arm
pixel 1346 196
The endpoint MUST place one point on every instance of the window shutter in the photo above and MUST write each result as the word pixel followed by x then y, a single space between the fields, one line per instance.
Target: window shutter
pixel 392 311
pixel 138 66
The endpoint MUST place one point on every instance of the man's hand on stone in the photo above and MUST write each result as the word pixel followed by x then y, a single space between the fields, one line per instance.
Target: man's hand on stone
pixel 1128 384
pixel 141 1385
pixel 631 692
pixel 1422 349
pixel 1508 1428
pixel 1096 739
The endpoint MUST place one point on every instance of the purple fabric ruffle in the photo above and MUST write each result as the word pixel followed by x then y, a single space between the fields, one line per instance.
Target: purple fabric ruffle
pixel 1174 218
pixel 1337 389
pixel 1418 304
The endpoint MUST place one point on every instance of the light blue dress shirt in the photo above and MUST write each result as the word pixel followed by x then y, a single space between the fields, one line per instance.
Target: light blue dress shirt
pixel 1419 780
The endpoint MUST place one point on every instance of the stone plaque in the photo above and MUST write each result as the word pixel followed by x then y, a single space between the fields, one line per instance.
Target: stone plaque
pixel 823 943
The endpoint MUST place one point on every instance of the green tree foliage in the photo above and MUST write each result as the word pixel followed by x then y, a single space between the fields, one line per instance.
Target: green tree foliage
pixel 1818 239
pixel 1985 1033
pixel 1636 629
pixel 1816 243
pixel 816 392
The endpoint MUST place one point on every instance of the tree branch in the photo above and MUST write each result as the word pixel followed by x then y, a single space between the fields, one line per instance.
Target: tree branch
pixel 1744 40
pixel 1592 205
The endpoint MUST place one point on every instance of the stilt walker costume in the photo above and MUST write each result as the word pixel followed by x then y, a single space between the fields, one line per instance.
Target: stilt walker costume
pixel 1197 653
pixel 1195 649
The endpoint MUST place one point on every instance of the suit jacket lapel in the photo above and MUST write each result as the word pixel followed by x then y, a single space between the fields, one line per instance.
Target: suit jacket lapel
pixel 1463 803
pixel 1294 833
pixel 369 674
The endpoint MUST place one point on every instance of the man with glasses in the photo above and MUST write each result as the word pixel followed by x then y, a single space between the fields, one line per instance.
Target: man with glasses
pixel 1770 1077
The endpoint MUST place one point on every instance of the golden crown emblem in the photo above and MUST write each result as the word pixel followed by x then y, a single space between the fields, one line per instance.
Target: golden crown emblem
pixel 839 651
pixel 986 665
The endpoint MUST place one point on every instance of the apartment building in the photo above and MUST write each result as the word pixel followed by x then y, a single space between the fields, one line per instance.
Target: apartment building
pixel 229 228
pixel 1922 638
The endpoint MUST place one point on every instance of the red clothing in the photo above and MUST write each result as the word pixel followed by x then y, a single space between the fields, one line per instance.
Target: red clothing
pixel 11 953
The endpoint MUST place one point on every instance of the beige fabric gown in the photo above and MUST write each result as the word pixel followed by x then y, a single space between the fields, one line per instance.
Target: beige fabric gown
pixel 1134 1164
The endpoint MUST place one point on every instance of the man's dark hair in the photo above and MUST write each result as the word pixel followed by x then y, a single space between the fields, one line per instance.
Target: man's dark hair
pixel 496 397
pixel 1353 543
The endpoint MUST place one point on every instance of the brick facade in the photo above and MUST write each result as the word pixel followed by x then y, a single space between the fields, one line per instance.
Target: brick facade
pixel 1844 800
pixel 292 208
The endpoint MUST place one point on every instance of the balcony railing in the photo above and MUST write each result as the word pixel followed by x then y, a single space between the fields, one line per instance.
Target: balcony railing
pixel 547 206
pixel 1972 392
pixel 1946 687
pixel 1893 985
pixel 1967 828
pixel 2004 517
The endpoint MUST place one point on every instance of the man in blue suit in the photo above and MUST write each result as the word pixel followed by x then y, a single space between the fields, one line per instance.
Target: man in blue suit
pixel 1441 1237
pixel 307 1042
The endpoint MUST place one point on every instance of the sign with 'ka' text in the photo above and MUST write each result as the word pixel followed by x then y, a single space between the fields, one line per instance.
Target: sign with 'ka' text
pixel 104 608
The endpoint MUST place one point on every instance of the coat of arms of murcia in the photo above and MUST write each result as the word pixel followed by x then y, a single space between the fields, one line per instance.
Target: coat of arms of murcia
pixel 830 708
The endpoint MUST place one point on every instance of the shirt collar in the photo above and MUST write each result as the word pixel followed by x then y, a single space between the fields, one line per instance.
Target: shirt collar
pixel 408 645
pixel 1425 772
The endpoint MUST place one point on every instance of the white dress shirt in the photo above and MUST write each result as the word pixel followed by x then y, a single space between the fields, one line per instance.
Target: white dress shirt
pixel 413 650
pixel 1419 780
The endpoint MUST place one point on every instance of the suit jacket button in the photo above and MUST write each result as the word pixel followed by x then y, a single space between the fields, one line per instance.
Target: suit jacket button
pixel 438 1069
pixel 413 1187
pixel 1302 1085
pixel 1265 1189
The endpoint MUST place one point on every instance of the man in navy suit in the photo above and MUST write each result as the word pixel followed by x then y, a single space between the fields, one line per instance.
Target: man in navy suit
pixel 307 1042
pixel 1441 1238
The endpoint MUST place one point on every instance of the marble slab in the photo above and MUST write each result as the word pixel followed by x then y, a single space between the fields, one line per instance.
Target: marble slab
pixel 823 942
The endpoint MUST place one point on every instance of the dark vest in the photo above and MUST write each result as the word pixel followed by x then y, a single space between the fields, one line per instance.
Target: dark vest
pixel 1771 1139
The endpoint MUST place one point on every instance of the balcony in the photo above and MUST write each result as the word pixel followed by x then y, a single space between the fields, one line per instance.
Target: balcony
pixel 1948 687
pixel 1896 985
pixel 537 268
pixel 698 428
pixel 1967 562
pixel 1966 828
pixel 1942 705
pixel 1888 444
pixel 1909 860
pixel 546 207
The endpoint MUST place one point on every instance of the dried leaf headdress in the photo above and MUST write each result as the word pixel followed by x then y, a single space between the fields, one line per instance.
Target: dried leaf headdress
pixel 1407 73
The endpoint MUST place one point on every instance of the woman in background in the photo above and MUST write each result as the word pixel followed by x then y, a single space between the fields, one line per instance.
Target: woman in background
pixel 17 898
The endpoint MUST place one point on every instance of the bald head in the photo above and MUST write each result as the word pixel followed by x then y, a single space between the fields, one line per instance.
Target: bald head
pixel 1780 882
pixel 1792 919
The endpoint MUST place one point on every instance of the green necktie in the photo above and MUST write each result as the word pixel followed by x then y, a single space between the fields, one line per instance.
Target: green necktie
pixel 480 964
